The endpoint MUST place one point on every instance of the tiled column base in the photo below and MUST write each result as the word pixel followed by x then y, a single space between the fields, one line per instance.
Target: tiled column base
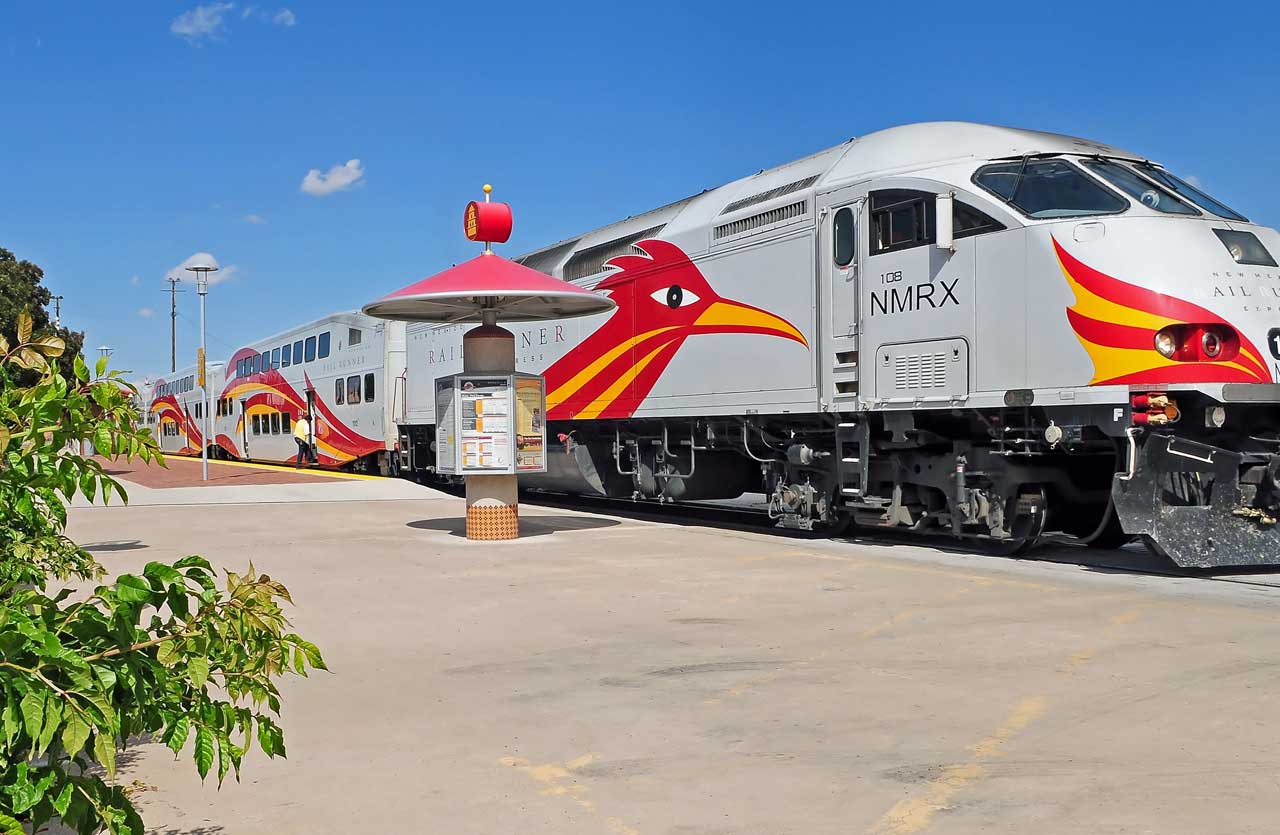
pixel 490 519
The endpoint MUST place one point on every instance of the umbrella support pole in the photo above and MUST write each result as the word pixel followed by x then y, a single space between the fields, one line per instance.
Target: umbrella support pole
pixel 493 510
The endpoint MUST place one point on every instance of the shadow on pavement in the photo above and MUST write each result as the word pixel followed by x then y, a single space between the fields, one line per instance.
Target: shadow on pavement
pixel 117 545
pixel 530 526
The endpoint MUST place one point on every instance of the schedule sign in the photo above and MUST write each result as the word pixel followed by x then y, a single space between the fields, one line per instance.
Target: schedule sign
pixel 490 424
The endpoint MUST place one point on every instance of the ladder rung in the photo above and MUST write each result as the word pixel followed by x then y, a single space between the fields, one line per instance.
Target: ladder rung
pixel 846 425
pixel 851 491
pixel 849 460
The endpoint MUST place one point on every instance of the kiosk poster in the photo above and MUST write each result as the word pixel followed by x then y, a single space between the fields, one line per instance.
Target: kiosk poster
pixel 446 449
pixel 485 406
pixel 531 426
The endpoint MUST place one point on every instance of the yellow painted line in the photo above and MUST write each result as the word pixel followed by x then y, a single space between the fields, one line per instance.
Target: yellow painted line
pixel 284 468
pixel 914 814
pixel 558 780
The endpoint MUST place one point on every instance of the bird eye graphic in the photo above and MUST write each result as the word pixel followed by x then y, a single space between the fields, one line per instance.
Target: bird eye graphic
pixel 675 296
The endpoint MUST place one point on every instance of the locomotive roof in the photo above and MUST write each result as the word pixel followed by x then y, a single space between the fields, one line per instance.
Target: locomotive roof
pixel 900 148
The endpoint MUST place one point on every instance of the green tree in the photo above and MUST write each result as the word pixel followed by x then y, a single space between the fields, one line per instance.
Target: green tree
pixel 171 654
pixel 22 290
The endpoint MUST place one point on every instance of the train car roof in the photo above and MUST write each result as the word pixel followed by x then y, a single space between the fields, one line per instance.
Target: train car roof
pixel 901 148
pixel 345 317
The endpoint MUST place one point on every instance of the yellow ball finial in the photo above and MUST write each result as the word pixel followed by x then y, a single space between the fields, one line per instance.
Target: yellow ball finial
pixel 487 188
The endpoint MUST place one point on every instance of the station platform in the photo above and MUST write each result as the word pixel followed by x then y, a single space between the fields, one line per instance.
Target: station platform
pixel 613 675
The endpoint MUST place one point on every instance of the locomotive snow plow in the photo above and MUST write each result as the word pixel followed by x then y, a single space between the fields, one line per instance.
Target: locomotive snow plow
pixel 1201 505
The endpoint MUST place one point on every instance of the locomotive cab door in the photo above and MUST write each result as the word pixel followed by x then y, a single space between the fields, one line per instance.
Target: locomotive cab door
pixel 839 252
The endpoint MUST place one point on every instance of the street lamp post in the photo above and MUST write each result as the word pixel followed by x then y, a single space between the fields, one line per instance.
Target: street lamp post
pixel 202 268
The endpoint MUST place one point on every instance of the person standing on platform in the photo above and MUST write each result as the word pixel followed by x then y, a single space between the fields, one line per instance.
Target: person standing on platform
pixel 302 436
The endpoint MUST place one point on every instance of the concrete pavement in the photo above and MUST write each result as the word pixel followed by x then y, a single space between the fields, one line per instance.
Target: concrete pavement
pixel 615 676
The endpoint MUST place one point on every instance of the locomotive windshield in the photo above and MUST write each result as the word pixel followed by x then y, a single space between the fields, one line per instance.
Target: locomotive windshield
pixel 1145 191
pixel 1188 191
pixel 1048 188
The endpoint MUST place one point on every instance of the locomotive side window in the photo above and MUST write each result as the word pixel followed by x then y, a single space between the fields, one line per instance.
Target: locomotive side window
pixel 338 391
pixel 353 336
pixel 368 388
pixel 968 221
pixel 353 389
pixel 324 345
pixel 310 356
pixel 286 355
pixel 842 237
pixel 1048 188
pixel 900 219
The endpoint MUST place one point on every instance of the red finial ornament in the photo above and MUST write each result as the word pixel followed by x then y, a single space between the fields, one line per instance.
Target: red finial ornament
pixel 487 222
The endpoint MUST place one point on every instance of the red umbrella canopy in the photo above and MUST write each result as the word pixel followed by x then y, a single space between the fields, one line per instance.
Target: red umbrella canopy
pixel 513 291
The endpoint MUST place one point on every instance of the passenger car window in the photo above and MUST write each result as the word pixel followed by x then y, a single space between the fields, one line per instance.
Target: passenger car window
pixel 842 237
pixel 256 425
pixel 286 424
pixel 324 345
pixel 368 388
pixel 311 349
pixel 297 352
pixel 353 389
pixel 286 355
pixel 338 390
pixel 1048 188
pixel 275 423
pixel 275 357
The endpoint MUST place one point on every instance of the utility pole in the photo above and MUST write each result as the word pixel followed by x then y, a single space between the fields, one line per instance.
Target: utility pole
pixel 57 311
pixel 173 321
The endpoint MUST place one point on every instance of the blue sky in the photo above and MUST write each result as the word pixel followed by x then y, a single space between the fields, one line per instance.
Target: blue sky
pixel 135 134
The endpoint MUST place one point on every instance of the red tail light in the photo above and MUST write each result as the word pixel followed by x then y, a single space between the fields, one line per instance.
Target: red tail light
pixel 1198 343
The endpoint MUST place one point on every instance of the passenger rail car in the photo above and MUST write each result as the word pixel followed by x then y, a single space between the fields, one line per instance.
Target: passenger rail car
pixel 334 369
pixel 176 410
pixel 953 328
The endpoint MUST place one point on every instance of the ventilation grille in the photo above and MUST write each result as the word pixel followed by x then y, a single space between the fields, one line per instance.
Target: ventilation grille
pixel 592 259
pixel 769 195
pixel 920 371
pixel 545 260
pixel 768 218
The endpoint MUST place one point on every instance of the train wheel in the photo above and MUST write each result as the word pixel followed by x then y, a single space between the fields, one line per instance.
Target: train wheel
pixel 1025 532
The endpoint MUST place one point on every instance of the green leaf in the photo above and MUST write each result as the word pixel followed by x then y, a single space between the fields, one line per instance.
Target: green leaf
pixel 104 751
pixel 63 800
pixel 101 367
pixel 167 653
pixel 224 756
pixel 131 588
pixel 198 670
pixel 193 560
pixel 162 573
pixel 75 733
pixel 203 754
pixel 102 440
pixel 176 738
pixel 51 346
pixel 9 826
pixel 313 653
pixel 82 370
pixel 52 721
pixel 4 439
pixel 33 711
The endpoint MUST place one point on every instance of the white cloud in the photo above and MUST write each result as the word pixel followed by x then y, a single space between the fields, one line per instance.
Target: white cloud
pixel 228 272
pixel 146 312
pixel 337 178
pixel 1194 181
pixel 248 10
pixel 135 281
pixel 201 22
pixel 254 219
pixel 285 17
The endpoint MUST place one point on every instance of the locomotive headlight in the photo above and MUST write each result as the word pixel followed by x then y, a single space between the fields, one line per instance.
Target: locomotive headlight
pixel 1211 344
pixel 1166 343
pixel 1215 416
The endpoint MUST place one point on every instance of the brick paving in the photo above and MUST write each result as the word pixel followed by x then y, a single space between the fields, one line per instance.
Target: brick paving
pixel 185 472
